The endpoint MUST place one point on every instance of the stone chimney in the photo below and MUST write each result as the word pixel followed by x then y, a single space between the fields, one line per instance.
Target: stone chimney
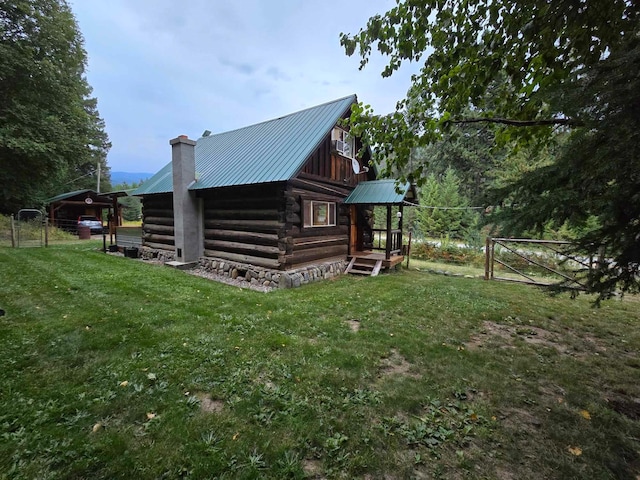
pixel 186 208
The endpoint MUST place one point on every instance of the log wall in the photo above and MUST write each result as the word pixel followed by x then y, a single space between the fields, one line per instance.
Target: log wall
pixel 246 224
pixel 313 244
pixel 157 225
pixel 263 225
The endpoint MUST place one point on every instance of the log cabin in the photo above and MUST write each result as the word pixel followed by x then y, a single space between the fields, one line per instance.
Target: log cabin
pixel 277 202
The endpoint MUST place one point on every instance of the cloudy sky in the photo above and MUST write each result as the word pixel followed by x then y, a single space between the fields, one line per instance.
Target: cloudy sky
pixel 161 68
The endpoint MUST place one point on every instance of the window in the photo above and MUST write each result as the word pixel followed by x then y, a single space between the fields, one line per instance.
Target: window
pixel 319 214
pixel 343 143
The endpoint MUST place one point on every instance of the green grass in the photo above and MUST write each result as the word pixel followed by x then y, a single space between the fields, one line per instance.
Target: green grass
pixel 112 368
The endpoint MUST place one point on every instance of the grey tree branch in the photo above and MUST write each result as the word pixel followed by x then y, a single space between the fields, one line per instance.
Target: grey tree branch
pixel 520 123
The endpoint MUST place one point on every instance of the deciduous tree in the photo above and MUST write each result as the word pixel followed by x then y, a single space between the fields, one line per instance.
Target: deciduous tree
pixel 50 131
pixel 551 66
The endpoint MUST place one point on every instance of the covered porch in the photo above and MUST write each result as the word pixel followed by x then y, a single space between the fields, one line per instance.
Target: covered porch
pixel 374 249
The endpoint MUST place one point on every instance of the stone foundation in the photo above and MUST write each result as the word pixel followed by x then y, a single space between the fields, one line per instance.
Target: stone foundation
pixel 271 278
pixel 254 275
pixel 163 256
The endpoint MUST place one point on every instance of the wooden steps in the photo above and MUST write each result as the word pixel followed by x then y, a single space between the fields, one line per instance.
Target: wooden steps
pixel 364 266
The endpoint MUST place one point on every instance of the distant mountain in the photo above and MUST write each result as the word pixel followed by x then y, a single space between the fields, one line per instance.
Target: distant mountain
pixel 128 177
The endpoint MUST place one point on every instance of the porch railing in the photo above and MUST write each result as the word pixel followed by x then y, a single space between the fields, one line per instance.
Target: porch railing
pixel 391 244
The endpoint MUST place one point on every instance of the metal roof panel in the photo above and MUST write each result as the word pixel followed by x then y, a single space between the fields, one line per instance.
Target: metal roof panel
pixel 64 196
pixel 378 192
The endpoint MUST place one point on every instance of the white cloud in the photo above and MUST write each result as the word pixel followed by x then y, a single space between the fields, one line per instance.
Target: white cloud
pixel 160 70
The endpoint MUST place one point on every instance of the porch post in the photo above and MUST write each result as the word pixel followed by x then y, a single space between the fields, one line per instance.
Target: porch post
pixel 400 225
pixel 353 229
pixel 389 239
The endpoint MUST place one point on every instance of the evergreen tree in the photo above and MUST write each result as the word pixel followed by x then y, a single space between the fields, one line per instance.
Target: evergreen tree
pixel 132 210
pixel 471 153
pixel 443 210
pixel 51 135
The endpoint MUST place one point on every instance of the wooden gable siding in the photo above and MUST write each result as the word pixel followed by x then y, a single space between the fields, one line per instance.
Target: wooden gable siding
pixel 157 225
pixel 328 165
pixel 246 224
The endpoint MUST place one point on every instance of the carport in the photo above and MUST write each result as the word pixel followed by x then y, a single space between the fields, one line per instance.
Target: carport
pixel 64 209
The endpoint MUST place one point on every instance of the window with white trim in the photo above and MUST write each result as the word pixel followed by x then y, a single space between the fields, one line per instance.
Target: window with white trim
pixel 319 213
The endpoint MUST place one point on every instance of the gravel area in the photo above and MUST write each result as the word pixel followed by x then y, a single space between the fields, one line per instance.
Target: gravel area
pixel 201 272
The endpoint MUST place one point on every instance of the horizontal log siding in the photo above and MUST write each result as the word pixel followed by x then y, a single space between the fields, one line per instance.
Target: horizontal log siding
pixel 157 222
pixel 316 244
pixel 246 224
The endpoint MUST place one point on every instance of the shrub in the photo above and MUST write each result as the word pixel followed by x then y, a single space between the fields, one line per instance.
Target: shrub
pixel 447 252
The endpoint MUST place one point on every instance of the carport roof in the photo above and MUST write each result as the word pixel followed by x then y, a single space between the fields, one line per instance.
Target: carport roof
pixel 64 196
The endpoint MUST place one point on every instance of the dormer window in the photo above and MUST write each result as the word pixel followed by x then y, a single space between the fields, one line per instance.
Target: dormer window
pixel 343 143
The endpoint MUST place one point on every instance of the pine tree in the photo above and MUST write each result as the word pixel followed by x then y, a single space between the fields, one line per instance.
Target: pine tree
pixel 452 218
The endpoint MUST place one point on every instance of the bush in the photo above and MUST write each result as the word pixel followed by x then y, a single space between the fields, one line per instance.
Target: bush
pixel 448 253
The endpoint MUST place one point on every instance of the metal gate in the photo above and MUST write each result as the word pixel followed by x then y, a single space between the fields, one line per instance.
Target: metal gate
pixel 536 262
pixel 30 228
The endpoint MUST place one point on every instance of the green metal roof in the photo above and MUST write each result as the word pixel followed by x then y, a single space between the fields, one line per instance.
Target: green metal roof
pixel 64 196
pixel 102 198
pixel 271 151
pixel 378 192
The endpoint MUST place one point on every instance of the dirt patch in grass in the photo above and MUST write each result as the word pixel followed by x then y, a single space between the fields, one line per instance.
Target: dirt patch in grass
pixel 624 404
pixel 395 364
pixel 502 474
pixel 509 333
pixel 490 331
pixel 354 325
pixel 208 404
pixel 520 419
pixel 312 468
pixel 571 342
pixel 553 392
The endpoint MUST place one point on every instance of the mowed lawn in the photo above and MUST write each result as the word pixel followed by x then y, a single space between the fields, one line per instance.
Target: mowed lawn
pixel 113 368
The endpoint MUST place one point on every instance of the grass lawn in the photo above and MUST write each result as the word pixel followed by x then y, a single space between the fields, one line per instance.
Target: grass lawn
pixel 112 368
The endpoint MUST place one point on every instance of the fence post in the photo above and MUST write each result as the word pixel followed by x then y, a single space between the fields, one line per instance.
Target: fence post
pixel 13 233
pixel 46 231
pixel 487 261
pixel 493 253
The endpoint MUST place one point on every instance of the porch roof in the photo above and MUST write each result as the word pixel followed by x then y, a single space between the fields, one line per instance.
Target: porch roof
pixel 379 192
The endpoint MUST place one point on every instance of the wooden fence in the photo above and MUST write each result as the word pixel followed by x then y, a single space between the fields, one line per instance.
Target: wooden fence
pixel 129 237
pixel 556 263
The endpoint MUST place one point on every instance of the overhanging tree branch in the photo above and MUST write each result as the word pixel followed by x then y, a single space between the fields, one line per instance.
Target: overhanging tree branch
pixel 570 122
